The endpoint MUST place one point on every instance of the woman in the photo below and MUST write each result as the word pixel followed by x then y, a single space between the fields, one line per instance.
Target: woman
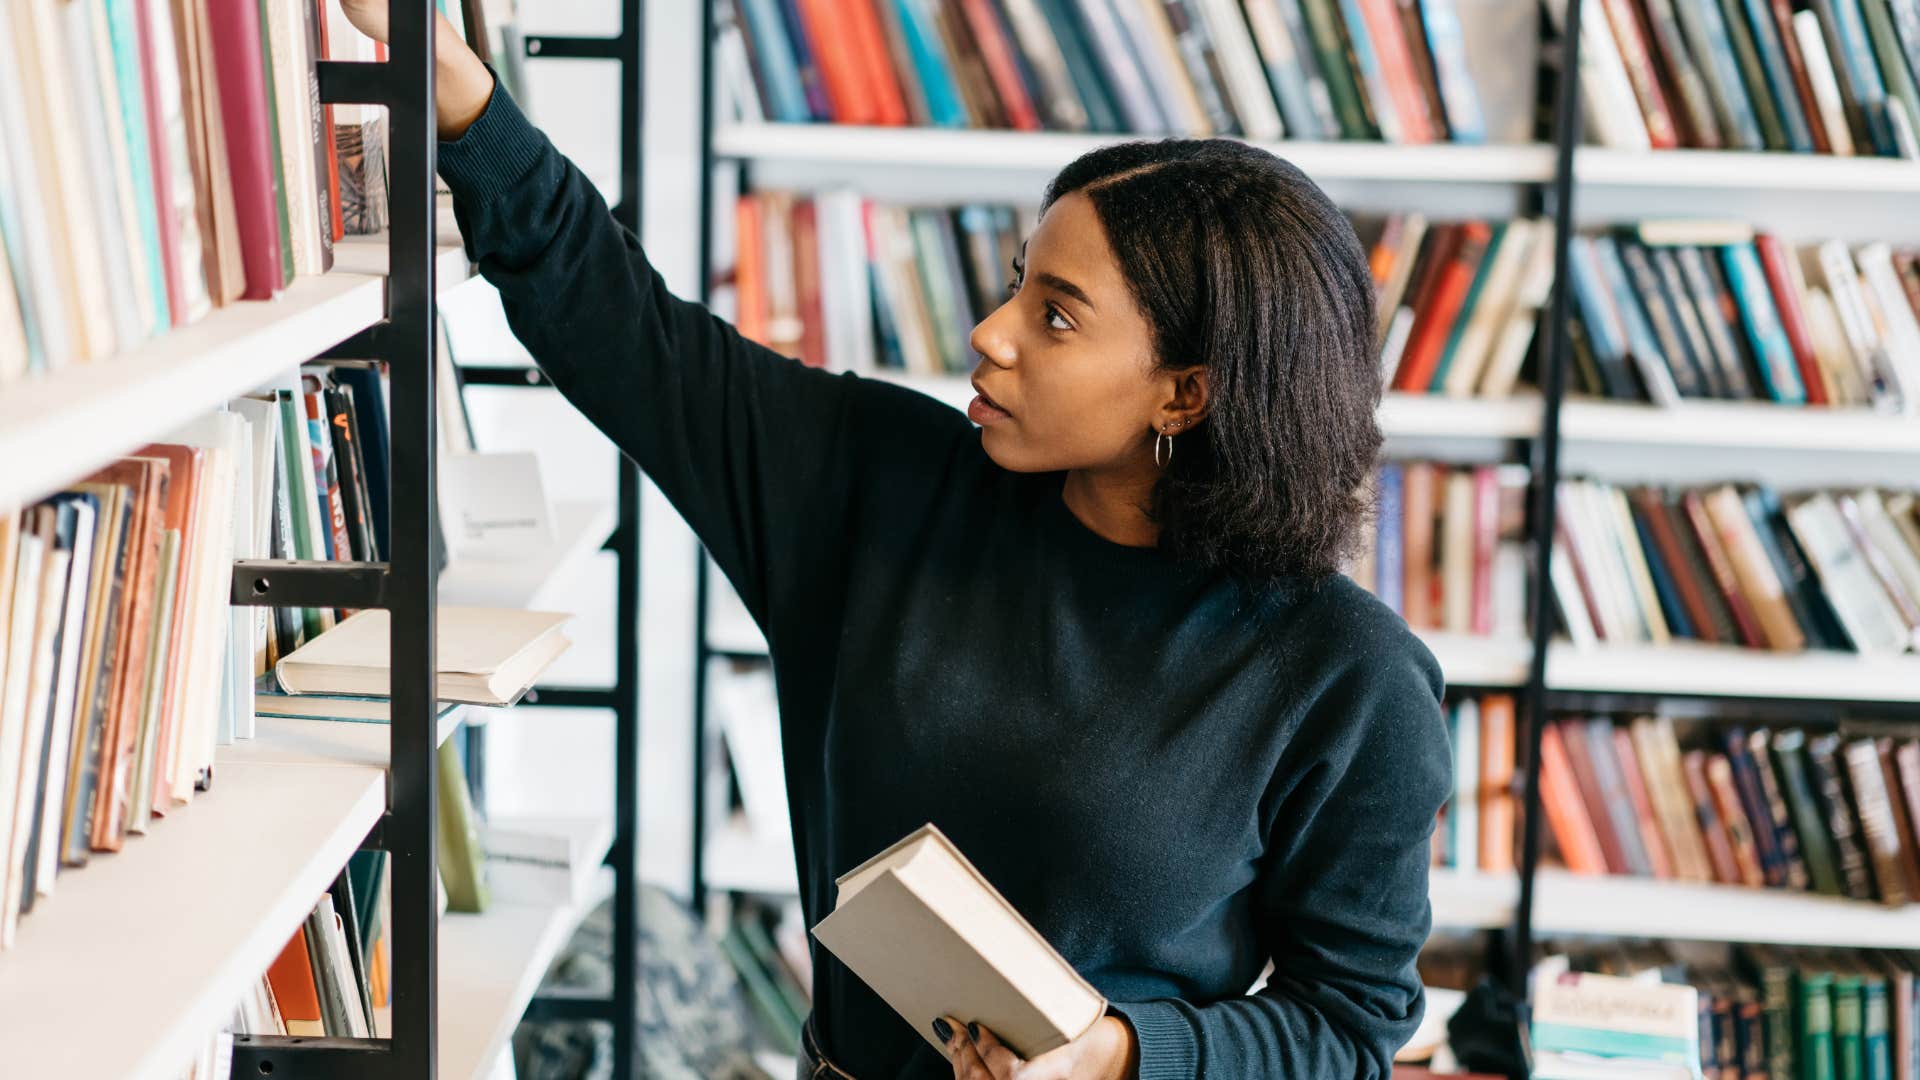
pixel 1101 641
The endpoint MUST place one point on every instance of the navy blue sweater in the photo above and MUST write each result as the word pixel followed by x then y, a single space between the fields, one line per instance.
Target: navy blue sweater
pixel 1174 777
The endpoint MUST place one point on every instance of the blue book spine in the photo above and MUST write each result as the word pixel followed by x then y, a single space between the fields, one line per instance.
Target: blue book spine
pixel 133 111
pixel 1641 342
pixel 1863 74
pixel 1390 573
pixel 1762 323
pixel 1102 116
pixel 319 443
pixel 1121 68
pixel 812 86
pixel 13 249
pixel 1703 24
pixel 1590 293
pixel 1458 95
pixel 944 106
pixel 1371 76
pixel 1326 122
pixel 1664 586
pixel 776 61
pixel 1773 62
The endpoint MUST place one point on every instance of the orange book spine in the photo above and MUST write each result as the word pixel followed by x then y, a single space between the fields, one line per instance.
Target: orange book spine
pixel 1396 66
pixel 1496 783
pixel 291 976
pixel 847 88
pixel 750 271
pixel 806 277
pixel 1651 838
pixel 1419 493
pixel 997 52
pixel 1566 813
pixel 1432 326
pixel 876 63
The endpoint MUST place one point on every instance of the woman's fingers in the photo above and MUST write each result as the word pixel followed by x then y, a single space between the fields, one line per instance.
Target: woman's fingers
pixel 1003 1063
pixel 967 1064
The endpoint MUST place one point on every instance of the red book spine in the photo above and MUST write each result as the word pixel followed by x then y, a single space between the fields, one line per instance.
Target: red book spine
pixel 243 108
pixel 1786 300
pixel 1802 83
pixel 162 171
pixel 1574 739
pixel 326 137
pixel 997 52
pixel 806 277
pixel 1643 816
pixel 1396 66
pixel 1722 569
pixel 883 80
pixel 749 271
pixel 1646 85
pixel 1486 536
pixel 1431 326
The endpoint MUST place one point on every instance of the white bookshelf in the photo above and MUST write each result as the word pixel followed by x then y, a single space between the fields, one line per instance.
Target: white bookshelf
pixel 55 429
pixel 491 964
pixel 1722 171
pixel 1738 426
pixel 1568 903
pixel 1471 900
pixel 139 955
pixel 1468 660
pixel 852 147
pixel 580 527
pixel 1690 667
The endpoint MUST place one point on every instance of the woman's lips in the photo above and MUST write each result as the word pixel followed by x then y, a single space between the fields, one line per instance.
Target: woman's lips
pixel 983 410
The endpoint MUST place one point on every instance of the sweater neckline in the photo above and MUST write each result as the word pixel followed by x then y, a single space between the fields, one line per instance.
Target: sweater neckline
pixel 1053 494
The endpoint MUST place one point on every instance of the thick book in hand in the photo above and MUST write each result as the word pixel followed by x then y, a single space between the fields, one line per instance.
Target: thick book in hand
pixel 921 907
pixel 487 656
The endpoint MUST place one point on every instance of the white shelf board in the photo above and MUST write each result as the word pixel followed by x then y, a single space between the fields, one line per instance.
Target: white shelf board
pixel 1468 660
pixel 1688 667
pixel 1470 900
pixel 136 957
pixel 1568 903
pixel 579 528
pixel 57 428
pixel 857 147
pixel 1718 170
pixel 285 740
pixel 1739 425
pixel 490 966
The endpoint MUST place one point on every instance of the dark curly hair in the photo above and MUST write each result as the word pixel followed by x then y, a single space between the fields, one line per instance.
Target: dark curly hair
pixel 1242 264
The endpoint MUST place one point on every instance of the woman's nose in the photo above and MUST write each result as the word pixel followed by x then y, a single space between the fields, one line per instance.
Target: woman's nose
pixel 991 341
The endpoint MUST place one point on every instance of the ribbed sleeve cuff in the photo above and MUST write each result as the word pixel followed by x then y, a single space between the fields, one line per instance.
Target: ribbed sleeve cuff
pixel 1168 1047
pixel 494 153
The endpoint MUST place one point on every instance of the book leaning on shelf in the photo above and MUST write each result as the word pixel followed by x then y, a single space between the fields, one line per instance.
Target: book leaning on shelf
pixel 163 158
pixel 1822 570
pixel 1827 813
pixel 1669 311
pixel 1411 71
pixel 1827 77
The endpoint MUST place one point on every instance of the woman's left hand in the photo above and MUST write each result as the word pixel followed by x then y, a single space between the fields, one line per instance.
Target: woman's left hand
pixel 1105 1052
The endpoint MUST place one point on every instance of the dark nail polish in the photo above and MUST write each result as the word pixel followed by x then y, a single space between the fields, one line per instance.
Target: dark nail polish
pixel 973 1030
pixel 943 1029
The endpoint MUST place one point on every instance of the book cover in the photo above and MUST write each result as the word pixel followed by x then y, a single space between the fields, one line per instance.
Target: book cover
pixel 247 123
pixel 1733 816
pixel 1419 500
pixel 1755 811
pixel 1252 102
pixel 294 989
pixel 1328 37
pixel 1661 130
pixel 1292 68
pixel 148 479
pixel 1586 780
pixel 1879 831
pixel 1692 103
pixel 1720 565
pixel 1120 67
pixel 1828 781
pixel 1777 73
pixel 1705 25
pixel 1652 842
pixel 1102 114
pixel 1713 829
pixel 1496 809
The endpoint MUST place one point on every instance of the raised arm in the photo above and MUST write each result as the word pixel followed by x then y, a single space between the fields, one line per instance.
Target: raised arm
pixel 1342 900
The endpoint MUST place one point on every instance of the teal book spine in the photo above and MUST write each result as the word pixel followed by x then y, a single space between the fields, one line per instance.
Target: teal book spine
pixel 122 29
pixel 929 62
pixel 1762 324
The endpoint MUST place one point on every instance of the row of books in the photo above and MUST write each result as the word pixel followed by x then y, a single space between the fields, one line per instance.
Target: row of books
pixel 1824 570
pixel 766 945
pixel 332 977
pixel 1457 302
pixel 1827 77
pixel 167 159
pixel 1476 827
pixel 1446 550
pixel 1826 813
pixel 1407 72
pixel 1668 311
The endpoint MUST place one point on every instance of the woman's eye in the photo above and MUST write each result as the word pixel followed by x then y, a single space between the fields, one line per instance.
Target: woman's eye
pixel 1056 319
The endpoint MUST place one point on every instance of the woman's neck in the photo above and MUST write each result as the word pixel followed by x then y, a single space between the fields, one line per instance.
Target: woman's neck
pixel 1113 504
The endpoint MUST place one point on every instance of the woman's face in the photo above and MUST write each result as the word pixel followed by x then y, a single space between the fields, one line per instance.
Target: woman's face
pixel 1067 378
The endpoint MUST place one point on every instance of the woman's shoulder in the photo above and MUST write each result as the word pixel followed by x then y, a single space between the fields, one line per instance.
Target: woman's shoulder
pixel 1347 638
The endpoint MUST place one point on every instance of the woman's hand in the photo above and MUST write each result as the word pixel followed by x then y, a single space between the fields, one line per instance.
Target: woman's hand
pixel 462 85
pixel 1105 1052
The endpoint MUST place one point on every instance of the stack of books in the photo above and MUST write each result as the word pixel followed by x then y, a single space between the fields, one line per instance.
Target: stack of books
pixel 1447 548
pixel 1669 311
pixel 1407 72
pixel 1778 809
pixel 1830 77
pixel 1823 570
pixel 1476 828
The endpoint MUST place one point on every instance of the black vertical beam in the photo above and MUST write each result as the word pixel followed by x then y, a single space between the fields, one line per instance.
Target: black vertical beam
pixel 701 653
pixel 626 713
pixel 411 120
pixel 1546 475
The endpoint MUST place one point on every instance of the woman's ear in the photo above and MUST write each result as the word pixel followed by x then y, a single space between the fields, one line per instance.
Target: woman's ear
pixel 1189 401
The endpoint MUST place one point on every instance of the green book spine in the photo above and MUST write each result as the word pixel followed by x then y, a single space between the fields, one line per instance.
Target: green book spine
pixel 1776 1002
pixel 1755 78
pixel 1813 1023
pixel 460 852
pixel 1849 1028
pixel 761 991
pixel 1323 24
pixel 1893 61
pixel 1808 822
pixel 279 163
